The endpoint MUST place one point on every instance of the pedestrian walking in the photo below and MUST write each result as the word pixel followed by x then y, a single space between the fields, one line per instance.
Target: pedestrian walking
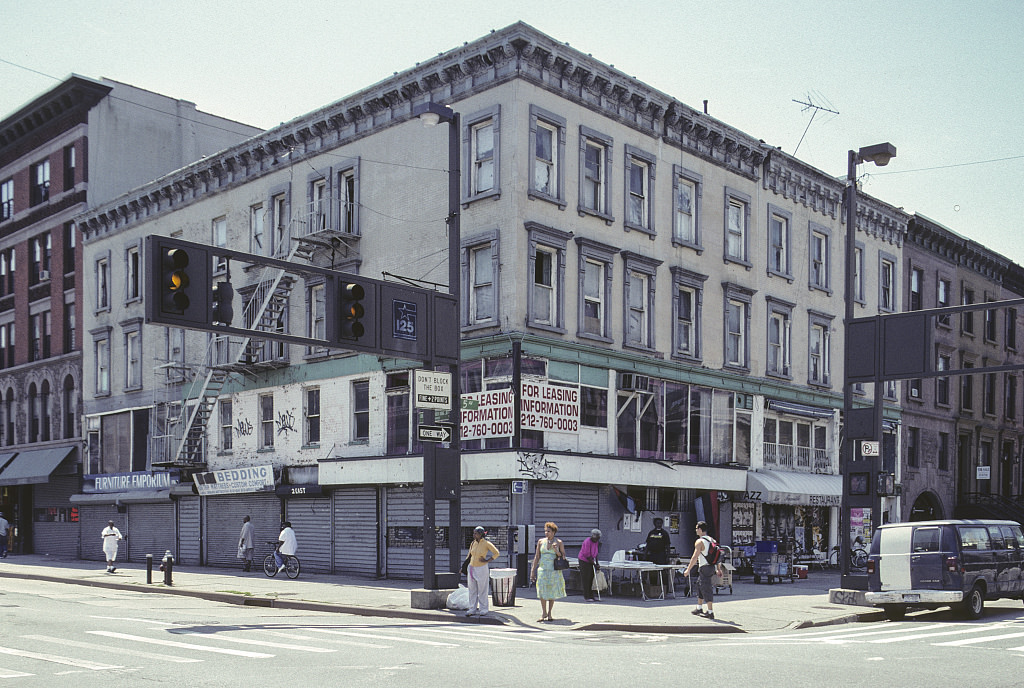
pixel 4 527
pixel 287 544
pixel 550 581
pixel 246 544
pixel 481 553
pixel 705 570
pixel 111 536
pixel 589 564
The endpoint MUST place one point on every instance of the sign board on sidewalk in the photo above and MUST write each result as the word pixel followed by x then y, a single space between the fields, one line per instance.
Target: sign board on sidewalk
pixel 433 390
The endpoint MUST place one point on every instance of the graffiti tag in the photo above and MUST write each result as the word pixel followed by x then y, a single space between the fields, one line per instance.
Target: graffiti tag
pixel 537 466
pixel 243 427
pixel 285 422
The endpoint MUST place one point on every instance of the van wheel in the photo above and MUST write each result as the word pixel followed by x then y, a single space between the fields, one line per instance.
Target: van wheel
pixel 973 605
pixel 895 612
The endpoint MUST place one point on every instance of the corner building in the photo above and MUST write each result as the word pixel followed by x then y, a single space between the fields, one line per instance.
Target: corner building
pixel 676 282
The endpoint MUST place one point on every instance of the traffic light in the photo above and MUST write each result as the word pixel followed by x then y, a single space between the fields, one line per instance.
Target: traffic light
pixel 221 312
pixel 350 324
pixel 178 283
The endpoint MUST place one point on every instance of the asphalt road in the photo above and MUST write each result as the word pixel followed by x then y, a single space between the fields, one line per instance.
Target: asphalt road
pixel 63 635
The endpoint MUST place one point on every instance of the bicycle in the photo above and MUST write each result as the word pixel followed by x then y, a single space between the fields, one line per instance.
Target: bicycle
pixel 291 563
pixel 858 558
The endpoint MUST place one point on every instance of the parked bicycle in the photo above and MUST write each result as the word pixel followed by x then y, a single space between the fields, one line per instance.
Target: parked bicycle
pixel 291 563
pixel 858 558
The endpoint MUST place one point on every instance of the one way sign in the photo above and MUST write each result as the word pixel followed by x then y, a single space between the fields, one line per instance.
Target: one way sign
pixel 435 433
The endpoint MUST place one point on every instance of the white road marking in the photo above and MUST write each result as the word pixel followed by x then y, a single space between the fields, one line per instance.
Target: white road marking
pixel 336 641
pixel 988 639
pixel 964 630
pixel 11 673
pixel 262 643
pixel 502 635
pixel 467 637
pixel 187 646
pixel 80 663
pixel 110 648
pixel 151 622
pixel 379 636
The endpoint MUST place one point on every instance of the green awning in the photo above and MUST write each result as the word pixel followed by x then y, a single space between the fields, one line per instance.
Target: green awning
pixel 32 467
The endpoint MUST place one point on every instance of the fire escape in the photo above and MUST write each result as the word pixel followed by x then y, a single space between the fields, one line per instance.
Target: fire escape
pixel 188 399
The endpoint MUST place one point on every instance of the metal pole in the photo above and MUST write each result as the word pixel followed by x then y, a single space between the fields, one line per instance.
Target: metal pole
pixel 455 289
pixel 847 451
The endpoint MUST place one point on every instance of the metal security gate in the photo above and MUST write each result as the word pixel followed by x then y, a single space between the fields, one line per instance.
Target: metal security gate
pixel 573 508
pixel 356 534
pixel 311 520
pixel 190 537
pixel 487 505
pixel 223 524
pixel 55 522
pixel 404 530
pixel 152 531
pixel 93 519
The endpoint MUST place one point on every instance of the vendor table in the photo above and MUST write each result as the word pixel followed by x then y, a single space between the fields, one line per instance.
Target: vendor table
pixel 638 568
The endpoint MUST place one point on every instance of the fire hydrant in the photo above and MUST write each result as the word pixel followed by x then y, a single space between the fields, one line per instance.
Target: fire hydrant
pixel 167 566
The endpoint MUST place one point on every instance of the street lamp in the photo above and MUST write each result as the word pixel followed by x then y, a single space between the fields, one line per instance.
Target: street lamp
pixel 880 154
pixel 432 114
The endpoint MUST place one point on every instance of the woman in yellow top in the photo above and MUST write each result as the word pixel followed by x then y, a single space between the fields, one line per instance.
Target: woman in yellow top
pixel 550 582
pixel 481 553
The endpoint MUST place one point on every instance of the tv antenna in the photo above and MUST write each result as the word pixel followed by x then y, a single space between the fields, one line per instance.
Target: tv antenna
pixel 809 104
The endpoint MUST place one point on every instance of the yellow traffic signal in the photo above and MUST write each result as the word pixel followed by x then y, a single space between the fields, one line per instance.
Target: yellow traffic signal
pixel 352 311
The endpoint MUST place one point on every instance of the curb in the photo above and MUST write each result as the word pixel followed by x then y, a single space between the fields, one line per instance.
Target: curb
pixel 646 628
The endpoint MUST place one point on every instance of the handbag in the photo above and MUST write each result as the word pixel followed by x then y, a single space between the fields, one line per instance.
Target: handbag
pixel 561 564
pixel 600 581
pixel 465 566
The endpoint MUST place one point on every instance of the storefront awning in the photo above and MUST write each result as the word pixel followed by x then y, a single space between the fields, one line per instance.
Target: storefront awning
pixel 31 467
pixel 802 410
pixel 786 487
pixel 127 497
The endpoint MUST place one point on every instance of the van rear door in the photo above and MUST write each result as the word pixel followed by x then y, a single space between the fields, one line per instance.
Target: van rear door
pixel 894 558
pixel 926 559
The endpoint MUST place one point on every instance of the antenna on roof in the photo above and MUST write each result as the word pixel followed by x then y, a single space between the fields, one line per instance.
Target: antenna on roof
pixel 809 104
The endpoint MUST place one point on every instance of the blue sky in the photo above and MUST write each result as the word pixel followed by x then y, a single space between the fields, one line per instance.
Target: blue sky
pixel 941 80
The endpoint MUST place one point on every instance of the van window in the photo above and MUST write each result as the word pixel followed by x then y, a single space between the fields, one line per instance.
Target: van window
pixel 974 538
pixel 926 540
pixel 1010 537
pixel 997 538
pixel 1017 535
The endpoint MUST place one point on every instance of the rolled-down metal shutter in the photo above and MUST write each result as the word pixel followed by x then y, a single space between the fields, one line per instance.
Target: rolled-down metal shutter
pixel 404 554
pixel 573 508
pixel 311 520
pixel 190 538
pixel 57 532
pixel 93 519
pixel 487 505
pixel 224 515
pixel 356 535
pixel 152 530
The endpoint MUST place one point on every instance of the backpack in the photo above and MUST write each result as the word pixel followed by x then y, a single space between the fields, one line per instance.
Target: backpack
pixel 713 553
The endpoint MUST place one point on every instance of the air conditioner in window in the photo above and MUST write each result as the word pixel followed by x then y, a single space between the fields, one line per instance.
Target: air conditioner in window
pixel 634 382
pixel 915 392
pixel 44 275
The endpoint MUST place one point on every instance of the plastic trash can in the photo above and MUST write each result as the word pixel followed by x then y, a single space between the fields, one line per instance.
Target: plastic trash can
pixel 503 587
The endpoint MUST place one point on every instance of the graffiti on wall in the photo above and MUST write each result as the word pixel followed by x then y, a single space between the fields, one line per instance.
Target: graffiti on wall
pixel 243 428
pixel 537 466
pixel 285 422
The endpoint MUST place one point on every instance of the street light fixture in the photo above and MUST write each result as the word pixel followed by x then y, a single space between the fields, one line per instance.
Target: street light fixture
pixel 432 114
pixel 880 154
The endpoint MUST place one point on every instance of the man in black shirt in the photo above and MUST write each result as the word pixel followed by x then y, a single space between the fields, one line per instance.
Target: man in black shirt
pixel 658 543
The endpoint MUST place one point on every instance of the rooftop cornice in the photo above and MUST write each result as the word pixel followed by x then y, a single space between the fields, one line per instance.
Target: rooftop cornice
pixel 74 92
pixel 943 242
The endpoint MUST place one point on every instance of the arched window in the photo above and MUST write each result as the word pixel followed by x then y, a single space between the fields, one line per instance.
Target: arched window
pixel 9 417
pixel 44 410
pixel 69 407
pixel 33 414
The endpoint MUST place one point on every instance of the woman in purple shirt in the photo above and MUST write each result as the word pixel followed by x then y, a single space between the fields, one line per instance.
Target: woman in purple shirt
pixel 588 563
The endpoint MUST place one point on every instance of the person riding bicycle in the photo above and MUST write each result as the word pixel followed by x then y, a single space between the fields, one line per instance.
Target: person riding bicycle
pixel 287 545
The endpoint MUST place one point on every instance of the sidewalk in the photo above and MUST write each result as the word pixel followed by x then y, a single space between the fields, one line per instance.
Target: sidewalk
pixel 749 608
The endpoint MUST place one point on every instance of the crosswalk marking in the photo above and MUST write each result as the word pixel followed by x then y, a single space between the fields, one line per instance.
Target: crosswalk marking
pixel 187 646
pixel 151 622
pixel 11 673
pixel 337 641
pixel 958 631
pixel 110 648
pixel 262 643
pixel 973 641
pixel 466 637
pixel 502 635
pixel 380 636
pixel 80 663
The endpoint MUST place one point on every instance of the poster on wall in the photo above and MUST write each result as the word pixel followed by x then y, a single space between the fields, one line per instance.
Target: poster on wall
pixel 742 524
pixel 860 528
pixel 673 524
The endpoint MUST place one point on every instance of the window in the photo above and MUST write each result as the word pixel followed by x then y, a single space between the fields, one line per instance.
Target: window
pixel 319 204
pixel 132 360
pixel 482 157
pixel 7 345
pixel 69 167
pixel 886 283
pixel 990 325
pixel 1010 334
pixel 266 421
pixel 39 324
pixel 70 232
pixel 226 424
pixel 220 240
pixel 480 277
pixel 688 301
pixel 943 451
pixel 312 416
pixel 547 143
pixel 967 389
pixel 819 349
pixel 593 407
pixel 595 285
pixel 316 314
pixel 361 411
pixel 33 413
pixel 639 191
pixel 1010 397
pixel 913 446
pixel 858 273
pixel 7 272
pixel 967 317
pixel 39 192
pixel 10 410
pixel 70 407
pixel 988 402
pixel 257 232
pixel 942 300
pixel 348 199
pixel 942 383
pixel 546 263
pixel 401 416
pixel 737 325
pixel 40 253
pixel 737 216
pixel 6 199
pixel 687 189
pixel 595 173
pixel 916 286
pixel 638 298
pixel 102 350
pixel 820 263
pixel 779 242
pixel 133 277
pixel 889 390
pixel 914 388
pixel 280 227
pixel 103 284
pixel 779 337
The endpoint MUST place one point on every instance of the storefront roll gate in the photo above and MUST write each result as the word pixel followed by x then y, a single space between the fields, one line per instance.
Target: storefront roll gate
pixel 190 538
pixel 356 533
pixel 223 524
pixel 574 508
pixel 93 519
pixel 55 522
pixel 311 520
pixel 151 530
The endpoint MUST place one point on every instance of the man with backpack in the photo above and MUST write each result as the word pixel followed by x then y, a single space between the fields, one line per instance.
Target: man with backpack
pixel 707 558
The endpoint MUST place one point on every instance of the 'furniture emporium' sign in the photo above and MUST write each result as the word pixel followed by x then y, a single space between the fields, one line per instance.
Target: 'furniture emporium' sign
pixel 235 481
pixel 124 482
